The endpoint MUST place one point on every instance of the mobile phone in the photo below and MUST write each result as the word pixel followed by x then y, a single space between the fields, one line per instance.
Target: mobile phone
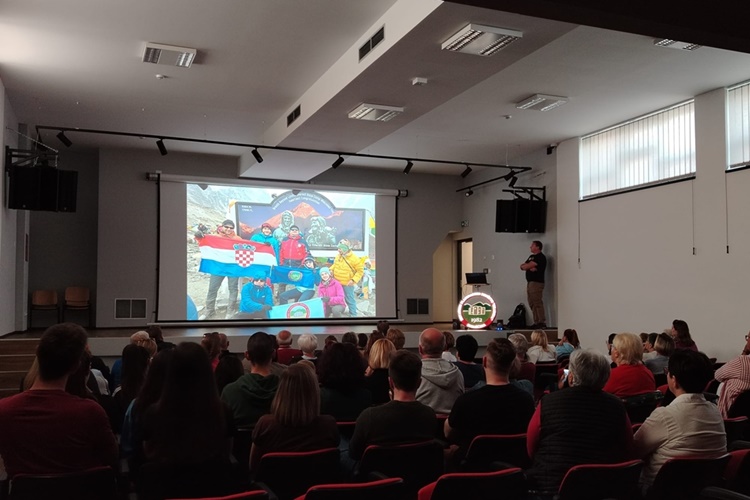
pixel 565 373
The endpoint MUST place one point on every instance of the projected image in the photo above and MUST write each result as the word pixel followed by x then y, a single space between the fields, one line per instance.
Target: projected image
pixel 267 253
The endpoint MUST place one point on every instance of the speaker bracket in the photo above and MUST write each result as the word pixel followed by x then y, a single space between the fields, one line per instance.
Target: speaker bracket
pixel 29 157
pixel 533 193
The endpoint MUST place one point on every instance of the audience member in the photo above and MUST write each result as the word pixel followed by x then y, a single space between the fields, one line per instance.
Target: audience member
pixel 376 375
pixel 397 337
pixel 735 378
pixel 135 361
pixel 631 377
pixel 649 349
pixel 663 349
pixel 689 425
pixel 402 420
pixel 526 368
pixel 383 327
pixel 578 425
pixel 681 335
pixel 374 337
pixel 442 383
pixel 349 337
pixel 308 344
pixel 541 351
pixel 211 342
pixel 154 331
pixel 496 408
pixel 277 368
pixel 295 422
pixel 568 343
pixel 286 353
pixel 466 348
pixel 330 339
pixel 227 371
pixel 362 342
pixel 450 342
pixel 341 372
pixel 139 338
pixel 250 396
pixel 45 430
pixel 224 345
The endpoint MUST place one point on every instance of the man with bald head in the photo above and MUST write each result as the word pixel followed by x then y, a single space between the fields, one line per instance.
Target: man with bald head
pixel 285 354
pixel 442 383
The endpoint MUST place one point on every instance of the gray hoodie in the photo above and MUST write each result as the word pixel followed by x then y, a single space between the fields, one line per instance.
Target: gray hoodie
pixel 442 383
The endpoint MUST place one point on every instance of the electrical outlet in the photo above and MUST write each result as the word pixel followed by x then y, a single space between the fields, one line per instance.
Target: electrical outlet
pixel 486 271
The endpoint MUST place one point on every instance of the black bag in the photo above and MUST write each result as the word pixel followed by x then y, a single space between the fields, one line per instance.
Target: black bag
pixel 518 318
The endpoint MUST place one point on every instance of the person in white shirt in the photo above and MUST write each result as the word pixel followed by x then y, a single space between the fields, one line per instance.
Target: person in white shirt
pixel 541 351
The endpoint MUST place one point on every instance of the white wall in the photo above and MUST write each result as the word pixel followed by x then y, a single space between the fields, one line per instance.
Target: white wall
pixel 8 291
pixel 650 256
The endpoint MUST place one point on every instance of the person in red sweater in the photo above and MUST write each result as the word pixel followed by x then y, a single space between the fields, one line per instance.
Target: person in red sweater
pixel 46 430
pixel 630 377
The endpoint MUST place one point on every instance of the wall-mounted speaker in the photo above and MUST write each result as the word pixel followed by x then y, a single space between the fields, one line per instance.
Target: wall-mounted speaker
pixel 505 217
pixel 42 188
pixel 521 216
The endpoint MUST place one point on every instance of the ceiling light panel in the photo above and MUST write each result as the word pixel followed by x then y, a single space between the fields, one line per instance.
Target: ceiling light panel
pixel 674 44
pixel 481 40
pixel 375 112
pixel 169 55
pixel 542 102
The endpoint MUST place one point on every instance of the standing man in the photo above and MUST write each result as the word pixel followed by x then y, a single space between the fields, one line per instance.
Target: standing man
pixel 225 230
pixel 348 269
pixel 535 266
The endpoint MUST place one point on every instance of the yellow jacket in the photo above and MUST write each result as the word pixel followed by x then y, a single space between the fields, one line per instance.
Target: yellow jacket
pixel 347 267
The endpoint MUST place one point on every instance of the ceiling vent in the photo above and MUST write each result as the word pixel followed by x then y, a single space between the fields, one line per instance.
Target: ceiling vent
pixel 170 55
pixel 674 44
pixel 375 112
pixel 541 102
pixel 481 40
pixel 373 42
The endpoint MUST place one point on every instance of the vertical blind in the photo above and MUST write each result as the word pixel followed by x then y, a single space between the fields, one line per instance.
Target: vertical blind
pixel 738 123
pixel 649 150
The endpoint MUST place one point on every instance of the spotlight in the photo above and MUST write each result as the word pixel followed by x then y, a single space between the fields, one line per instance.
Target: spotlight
pixel 257 155
pixel 551 148
pixel 162 147
pixel 512 182
pixel 64 139
pixel 468 193
pixel 466 172
pixel 407 169
pixel 337 162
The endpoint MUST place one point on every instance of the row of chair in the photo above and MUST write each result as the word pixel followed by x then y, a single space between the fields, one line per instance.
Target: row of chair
pixel 76 298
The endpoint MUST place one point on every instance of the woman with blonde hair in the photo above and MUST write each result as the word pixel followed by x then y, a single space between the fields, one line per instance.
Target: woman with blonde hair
pixel 630 377
pixel 540 351
pixel 295 422
pixel 376 374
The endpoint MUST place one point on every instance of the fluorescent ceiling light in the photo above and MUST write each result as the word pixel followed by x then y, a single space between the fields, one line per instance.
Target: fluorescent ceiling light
pixel 542 102
pixel 481 40
pixel 169 55
pixel 674 44
pixel 375 112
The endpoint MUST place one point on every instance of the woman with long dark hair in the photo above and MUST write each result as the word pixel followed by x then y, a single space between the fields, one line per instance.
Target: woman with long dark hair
pixel 341 372
pixel 681 336
pixel 135 360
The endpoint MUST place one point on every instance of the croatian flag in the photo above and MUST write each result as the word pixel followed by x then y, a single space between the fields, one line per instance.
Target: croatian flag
pixel 235 258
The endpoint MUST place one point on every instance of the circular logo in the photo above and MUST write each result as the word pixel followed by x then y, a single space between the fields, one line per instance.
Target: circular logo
pixel 298 310
pixel 477 310
pixel 294 276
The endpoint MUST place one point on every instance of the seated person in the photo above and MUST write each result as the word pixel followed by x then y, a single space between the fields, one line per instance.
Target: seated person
pixel 308 344
pixel 689 425
pixel 442 383
pixel 649 346
pixel 256 298
pixel 295 422
pixel 376 374
pixel 300 293
pixel 663 349
pixel 735 376
pixel 568 343
pixel 681 334
pixel 631 377
pixel 331 293
pixel 541 351
pixel 526 368
pixel 286 353
pixel 402 420
pixel 466 348
pixel 341 372
pixel 578 425
pixel 496 408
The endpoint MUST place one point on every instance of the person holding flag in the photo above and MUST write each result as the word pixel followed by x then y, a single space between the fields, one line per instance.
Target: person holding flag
pixel 224 230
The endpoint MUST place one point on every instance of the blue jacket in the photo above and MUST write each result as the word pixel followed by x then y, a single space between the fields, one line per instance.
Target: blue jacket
pixel 268 240
pixel 253 298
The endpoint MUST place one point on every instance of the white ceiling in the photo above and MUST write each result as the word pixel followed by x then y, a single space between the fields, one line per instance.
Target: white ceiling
pixel 78 64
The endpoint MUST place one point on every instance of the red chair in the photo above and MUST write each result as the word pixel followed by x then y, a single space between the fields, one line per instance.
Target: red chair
pixel 683 478
pixel 487 448
pixel 640 406
pixel 597 481
pixel 417 463
pixel 737 472
pixel 254 495
pixel 390 488
pixel 286 355
pixel 508 484
pixel 98 483
pixel 290 474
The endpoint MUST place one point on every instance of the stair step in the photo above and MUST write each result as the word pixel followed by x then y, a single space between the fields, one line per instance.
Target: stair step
pixel 16 362
pixel 18 346
pixel 11 380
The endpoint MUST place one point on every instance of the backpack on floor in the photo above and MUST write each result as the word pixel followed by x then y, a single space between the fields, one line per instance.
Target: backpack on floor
pixel 518 318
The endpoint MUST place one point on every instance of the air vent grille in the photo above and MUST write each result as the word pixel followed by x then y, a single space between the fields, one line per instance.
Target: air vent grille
pixel 373 42
pixel 293 115
pixel 130 308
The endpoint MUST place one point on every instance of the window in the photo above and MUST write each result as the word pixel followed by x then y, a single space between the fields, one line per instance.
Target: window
pixel 738 121
pixel 651 150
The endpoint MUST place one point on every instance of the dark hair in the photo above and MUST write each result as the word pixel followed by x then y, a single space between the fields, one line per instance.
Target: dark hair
pixel 154 331
pixel 361 340
pixel 683 333
pixel 260 348
pixel 383 326
pixel 572 337
pixel 692 370
pixel 397 337
pixel 77 380
pixel 189 422
pixel 538 244
pixel 134 365
pixel 450 341
pixel 405 370
pixel 652 338
pixel 331 339
pixel 466 347
pixel 349 337
pixel 227 371
pixel 153 384
pixel 341 367
pixel 500 355
pixel 211 342
pixel 664 344
pixel 60 350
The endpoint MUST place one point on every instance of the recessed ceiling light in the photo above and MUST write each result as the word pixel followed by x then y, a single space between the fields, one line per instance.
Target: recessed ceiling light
pixel 542 102
pixel 375 112
pixel 169 55
pixel 674 44
pixel 481 40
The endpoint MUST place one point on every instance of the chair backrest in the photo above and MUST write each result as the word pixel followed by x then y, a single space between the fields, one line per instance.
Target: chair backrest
pixel 741 406
pixel 737 472
pixel 93 484
pixel 77 296
pixel 639 407
pixel 417 463
pixel 736 428
pixel 487 448
pixel 597 481
pixel 716 493
pixel 254 495
pixel 290 474
pixel 156 481
pixel 509 484
pixel 684 477
pixel 43 298
pixel 391 488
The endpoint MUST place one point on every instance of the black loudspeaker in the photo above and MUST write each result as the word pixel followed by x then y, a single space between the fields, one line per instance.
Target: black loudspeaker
pixel 537 221
pixel 67 190
pixel 505 216
pixel 523 209
pixel 23 188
